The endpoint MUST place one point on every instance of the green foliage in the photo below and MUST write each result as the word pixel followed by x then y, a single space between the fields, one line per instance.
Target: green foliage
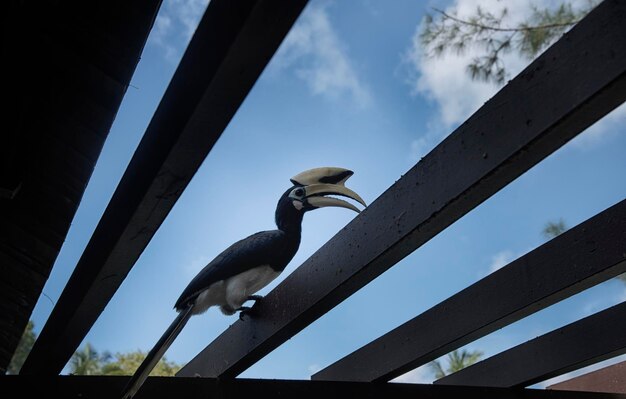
pixel 457 360
pixel 552 23
pixel 87 361
pixel 23 349
pixel 553 229
pixel 127 363
pixel 443 32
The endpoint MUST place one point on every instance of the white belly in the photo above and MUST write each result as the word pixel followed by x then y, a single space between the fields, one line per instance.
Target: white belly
pixel 231 294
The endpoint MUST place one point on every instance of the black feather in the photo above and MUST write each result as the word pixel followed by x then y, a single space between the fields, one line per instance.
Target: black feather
pixel 156 353
pixel 274 248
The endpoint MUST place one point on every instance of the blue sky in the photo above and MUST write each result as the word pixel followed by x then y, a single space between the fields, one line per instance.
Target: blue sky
pixel 349 87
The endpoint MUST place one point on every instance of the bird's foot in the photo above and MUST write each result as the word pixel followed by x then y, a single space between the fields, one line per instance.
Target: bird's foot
pixel 243 311
pixel 246 310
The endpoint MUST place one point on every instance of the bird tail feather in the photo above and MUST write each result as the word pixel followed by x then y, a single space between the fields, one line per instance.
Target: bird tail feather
pixel 156 353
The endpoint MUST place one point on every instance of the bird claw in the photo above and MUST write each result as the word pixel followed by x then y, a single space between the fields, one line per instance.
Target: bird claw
pixel 244 310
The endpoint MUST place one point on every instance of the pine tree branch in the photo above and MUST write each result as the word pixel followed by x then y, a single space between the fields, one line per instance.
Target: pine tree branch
pixel 523 28
pixel 484 30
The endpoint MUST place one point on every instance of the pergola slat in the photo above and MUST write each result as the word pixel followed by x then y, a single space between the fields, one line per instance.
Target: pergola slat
pixel 568 264
pixel 106 387
pixel 574 83
pixel 579 344
pixel 231 46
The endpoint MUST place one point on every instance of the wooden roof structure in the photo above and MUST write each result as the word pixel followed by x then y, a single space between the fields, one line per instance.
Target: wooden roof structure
pixel 574 83
pixel 67 67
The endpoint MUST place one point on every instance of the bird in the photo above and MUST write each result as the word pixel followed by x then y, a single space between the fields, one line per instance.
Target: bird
pixel 248 265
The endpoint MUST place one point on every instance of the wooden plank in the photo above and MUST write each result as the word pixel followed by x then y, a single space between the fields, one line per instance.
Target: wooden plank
pixel 106 34
pixel 75 135
pixel 233 43
pixel 506 137
pixel 56 215
pixel 57 66
pixel 79 79
pixel 20 275
pixel 105 387
pixel 49 223
pixel 23 244
pixel 582 257
pixel 584 342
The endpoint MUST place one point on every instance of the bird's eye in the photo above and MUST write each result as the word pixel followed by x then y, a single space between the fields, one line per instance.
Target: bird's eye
pixel 299 192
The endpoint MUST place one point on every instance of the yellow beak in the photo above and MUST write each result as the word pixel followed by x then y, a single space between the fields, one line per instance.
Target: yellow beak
pixel 320 182
pixel 315 196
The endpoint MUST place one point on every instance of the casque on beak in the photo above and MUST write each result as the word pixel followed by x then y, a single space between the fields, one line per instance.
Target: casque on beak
pixel 319 182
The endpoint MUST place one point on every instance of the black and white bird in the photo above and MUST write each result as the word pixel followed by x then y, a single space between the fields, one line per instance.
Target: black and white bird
pixel 235 275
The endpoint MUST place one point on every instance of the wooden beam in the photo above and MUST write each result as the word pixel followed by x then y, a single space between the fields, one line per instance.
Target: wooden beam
pixel 229 50
pixel 58 75
pixel 582 257
pixel 584 342
pixel 105 387
pixel 573 84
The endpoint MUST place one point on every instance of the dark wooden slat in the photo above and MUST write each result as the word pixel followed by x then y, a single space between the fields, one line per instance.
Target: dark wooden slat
pixel 86 92
pixel 105 34
pixel 105 387
pixel 22 243
pixel 584 342
pixel 20 275
pixel 65 197
pixel 55 216
pixel 576 260
pixel 228 52
pixel 77 78
pixel 507 136
pixel 75 135
pixel 12 302
pixel 67 66
pixel 64 158
pixel 54 174
pixel 49 224
pixel 25 260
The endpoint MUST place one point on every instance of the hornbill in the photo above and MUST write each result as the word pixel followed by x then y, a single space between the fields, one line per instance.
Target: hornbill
pixel 235 275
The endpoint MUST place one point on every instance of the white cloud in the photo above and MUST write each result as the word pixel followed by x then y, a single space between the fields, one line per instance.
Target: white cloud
pixel 593 306
pixel 605 128
pixel 600 303
pixel 162 27
pixel 175 25
pixel 160 33
pixel 622 297
pixel 317 56
pixel 420 375
pixel 314 368
pixel 192 268
pixel 422 145
pixel 444 80
pixel 501 259
pixel 419 148
pixel 188 13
